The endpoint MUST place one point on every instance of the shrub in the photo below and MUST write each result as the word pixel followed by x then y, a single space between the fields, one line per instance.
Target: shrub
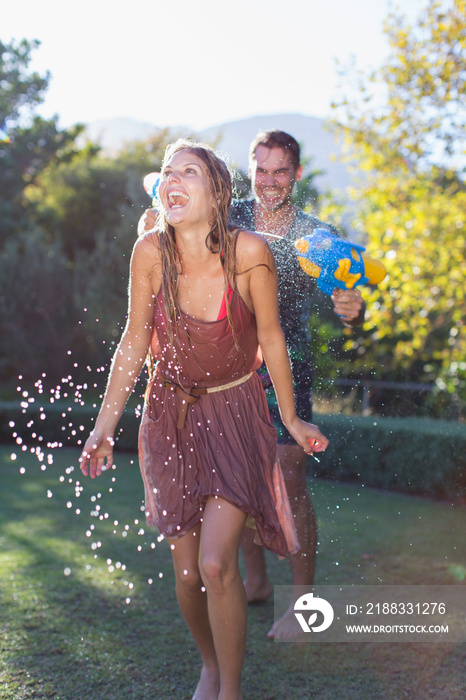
pixel 415 455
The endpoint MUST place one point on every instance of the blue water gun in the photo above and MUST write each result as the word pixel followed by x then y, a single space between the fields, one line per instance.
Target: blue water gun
pixel 151 185
pixel 335 262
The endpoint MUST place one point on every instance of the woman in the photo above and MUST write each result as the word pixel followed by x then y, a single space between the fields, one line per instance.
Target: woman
pixel 202 299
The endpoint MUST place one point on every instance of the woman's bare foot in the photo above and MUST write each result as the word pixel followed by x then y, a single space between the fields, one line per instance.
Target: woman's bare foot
pixel 258 589
pixel 208 687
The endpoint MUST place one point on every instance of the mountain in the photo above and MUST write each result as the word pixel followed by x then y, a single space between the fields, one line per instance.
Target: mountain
pixel 233 138
pixel 113 134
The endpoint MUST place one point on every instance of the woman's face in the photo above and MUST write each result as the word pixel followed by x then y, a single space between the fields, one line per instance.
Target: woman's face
pixel 185 190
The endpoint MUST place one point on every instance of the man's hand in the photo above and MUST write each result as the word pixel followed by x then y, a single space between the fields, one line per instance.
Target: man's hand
pixel 349 305
pixel 148 221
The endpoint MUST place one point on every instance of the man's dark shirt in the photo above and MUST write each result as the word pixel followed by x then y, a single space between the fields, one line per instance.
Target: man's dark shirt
pixel 298 298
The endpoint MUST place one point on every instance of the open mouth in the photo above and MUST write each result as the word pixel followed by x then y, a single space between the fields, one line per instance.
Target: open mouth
pixel 177 199
pixel 272 193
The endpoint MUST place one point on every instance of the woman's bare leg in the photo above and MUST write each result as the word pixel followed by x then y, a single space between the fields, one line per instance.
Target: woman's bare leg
pixel 221 532
pixel 192 600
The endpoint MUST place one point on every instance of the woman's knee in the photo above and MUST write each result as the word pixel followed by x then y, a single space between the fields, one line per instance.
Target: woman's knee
pixel 190 580
pixel 215 572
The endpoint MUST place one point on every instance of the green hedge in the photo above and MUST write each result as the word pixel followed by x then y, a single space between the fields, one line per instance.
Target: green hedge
pixel 61 423
pixel 409 455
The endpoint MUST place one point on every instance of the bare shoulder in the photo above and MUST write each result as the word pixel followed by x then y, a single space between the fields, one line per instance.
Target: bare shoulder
pixel 146 251
pixel 252 249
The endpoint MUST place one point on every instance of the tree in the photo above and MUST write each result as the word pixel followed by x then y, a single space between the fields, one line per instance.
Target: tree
pixel 68 216
pixel 35 302
pixel 88 194
pixel 405 129
pixel 306 194
pixel 85 209
pixel 21 90
pixel 32 141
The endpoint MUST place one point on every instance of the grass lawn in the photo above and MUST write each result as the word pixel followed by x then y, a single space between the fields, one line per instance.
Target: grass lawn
pixel 88 610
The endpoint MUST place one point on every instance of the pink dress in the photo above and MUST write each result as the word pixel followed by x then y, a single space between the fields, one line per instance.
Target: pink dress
pixel 227 447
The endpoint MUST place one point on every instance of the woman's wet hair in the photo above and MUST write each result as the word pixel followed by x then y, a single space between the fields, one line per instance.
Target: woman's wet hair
pixel 221 237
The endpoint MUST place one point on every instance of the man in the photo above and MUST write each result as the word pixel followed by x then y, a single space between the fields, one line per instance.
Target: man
pixel 274 168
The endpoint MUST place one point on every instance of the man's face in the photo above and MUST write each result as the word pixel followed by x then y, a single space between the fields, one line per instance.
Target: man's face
pixel 273 176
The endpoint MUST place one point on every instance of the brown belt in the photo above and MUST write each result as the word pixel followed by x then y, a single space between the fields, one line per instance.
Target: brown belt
pixel 190 396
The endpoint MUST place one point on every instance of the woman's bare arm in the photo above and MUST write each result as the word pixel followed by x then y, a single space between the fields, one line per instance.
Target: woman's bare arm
pixel 262 295
pixel 127 361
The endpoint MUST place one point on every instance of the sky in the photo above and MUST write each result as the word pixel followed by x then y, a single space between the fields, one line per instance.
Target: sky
pixel 197 64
